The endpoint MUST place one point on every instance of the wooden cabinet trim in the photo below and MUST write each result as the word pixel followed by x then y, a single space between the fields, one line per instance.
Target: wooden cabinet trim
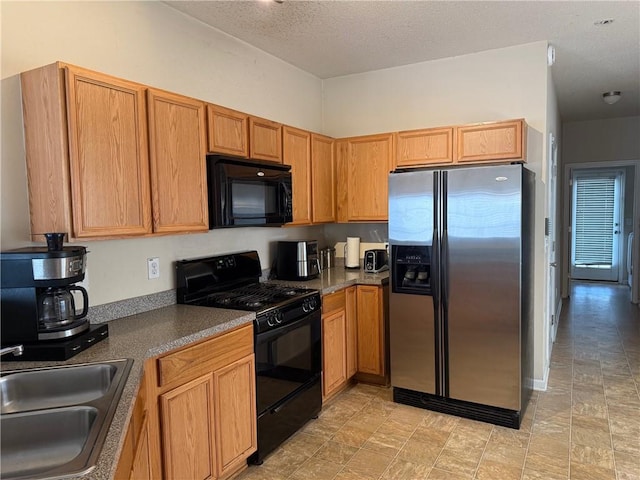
pixel 333 301
pixel 206 356
pixel 334 361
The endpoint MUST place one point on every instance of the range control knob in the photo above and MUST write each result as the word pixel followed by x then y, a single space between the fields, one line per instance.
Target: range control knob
pixel 278 317
pixel 271 320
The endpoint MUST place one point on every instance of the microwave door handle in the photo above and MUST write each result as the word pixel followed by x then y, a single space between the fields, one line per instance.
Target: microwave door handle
pixel 285 196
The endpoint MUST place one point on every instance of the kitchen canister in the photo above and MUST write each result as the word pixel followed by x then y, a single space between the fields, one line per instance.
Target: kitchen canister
pixel 327 258
pixel 352 252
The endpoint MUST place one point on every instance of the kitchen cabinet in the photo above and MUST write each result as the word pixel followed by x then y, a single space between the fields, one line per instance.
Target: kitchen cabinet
pixel 433 146
pixel 296 152
pixel 205 412
pixel 177 150
pixel 92 169
pixel 334 344
pixel 135 461
pixel 372 335
pixel 228 131
pixel 187 430
pixel 363 167
pixel 339 340
pixel 491 142
pixel 351 313
pixel 265 139
pixel 323 178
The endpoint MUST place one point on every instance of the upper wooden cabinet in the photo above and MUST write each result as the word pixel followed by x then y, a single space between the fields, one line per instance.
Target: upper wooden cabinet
pixel 177 147
pixel 296 151
pixel 265 139
pixel 323 178
pixel 228 131
pixel 363 168
pixel 491 142
pixel 91 141
pixel 108 155
pixel 424 147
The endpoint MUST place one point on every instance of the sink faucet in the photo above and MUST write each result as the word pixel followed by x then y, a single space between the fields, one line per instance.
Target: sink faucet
pixel 16 350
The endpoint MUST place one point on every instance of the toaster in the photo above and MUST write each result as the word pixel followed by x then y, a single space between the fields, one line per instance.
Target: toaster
pixel 375 260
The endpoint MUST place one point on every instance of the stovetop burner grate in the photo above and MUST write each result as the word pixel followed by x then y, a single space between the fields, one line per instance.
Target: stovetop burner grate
pixel 255 296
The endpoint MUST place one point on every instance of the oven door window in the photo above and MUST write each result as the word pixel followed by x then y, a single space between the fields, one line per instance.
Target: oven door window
pixel 287 359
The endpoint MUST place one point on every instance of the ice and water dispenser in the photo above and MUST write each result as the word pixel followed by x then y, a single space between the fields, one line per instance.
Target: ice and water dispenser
pixel 411 269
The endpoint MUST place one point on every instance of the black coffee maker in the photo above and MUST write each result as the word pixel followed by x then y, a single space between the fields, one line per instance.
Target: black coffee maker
pixel 37 301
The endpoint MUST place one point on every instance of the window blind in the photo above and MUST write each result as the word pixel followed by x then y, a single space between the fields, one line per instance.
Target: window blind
pixel 594 213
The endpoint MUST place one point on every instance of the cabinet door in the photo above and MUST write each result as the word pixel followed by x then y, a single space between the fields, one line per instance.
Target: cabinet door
pixel 368 162
pixel 228 131
pixel 177 147
pixel 489 142
pixel 352 332
pixel 370 330
pixel 417 148
pixel 108 155
pixel 235 414
pixel 141 468
pixel 187 430
pixel 334 362
pixel 265 139
pixel 323 178
pixel 296 151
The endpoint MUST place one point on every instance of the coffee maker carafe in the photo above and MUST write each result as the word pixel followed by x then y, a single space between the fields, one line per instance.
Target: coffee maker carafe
pixel 57 308
pixel 38 305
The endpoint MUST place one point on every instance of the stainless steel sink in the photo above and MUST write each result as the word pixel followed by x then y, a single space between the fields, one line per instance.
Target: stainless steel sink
pixel 54 421
pixel 54 387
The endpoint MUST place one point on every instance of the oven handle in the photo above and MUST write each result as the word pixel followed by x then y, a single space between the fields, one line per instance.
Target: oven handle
pixel 293 395
pixel 275 332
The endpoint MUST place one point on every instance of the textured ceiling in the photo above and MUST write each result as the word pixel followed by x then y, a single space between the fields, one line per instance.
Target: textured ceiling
pixel 333 38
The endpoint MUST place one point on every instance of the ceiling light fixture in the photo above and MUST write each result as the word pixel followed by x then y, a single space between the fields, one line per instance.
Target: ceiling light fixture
pixel 611 97
pixel 604 21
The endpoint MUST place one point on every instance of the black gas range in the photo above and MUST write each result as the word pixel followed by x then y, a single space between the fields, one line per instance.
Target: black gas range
pixel 287 338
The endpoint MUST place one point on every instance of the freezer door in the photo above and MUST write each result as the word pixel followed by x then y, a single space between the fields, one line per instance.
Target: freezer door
pixel 412 342
pixel 411 208
pixel 483 256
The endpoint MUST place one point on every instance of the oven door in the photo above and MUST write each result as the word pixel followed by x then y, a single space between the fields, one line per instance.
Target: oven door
pixel 288 360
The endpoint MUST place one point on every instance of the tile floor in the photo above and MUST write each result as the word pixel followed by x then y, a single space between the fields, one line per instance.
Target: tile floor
pixel 586 425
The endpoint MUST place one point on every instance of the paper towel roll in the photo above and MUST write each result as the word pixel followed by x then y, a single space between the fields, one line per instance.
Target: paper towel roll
pixel 352 255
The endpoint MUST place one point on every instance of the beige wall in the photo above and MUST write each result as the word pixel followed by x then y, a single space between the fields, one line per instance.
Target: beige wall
pixel 151 43
pixel 493 85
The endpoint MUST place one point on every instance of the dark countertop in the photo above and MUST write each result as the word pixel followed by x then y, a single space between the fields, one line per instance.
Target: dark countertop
pixel 155 332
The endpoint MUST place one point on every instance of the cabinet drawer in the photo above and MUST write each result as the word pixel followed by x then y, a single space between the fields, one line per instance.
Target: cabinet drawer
pixel 206 356
pixel 333 301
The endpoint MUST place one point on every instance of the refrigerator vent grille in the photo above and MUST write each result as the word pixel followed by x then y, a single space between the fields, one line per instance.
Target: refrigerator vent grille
pixel 474 411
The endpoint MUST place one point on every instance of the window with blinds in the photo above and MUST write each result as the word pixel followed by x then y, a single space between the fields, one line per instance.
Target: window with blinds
pixel 594 203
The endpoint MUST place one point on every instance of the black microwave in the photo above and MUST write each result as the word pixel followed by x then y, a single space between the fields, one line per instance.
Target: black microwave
pixel 244 192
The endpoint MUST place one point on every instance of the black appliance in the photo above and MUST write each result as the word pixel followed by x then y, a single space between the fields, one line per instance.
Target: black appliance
pixel 287 338
pixel 376 260
pixel 297 260
pixel 37 306
pixel 461 328
pixel 246 192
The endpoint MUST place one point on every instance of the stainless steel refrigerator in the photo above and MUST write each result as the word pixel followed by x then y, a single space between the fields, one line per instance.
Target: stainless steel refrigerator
pixel 460 307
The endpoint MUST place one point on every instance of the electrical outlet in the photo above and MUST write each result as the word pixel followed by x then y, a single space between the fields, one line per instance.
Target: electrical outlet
pixel 153 267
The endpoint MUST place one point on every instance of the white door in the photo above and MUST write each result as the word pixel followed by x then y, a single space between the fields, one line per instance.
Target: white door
pixel 550 243
pixel 596 224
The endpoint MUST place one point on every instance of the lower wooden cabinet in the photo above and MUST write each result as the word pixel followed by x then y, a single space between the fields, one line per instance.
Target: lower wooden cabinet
pixel 186 421
pixel 200 420
pixel 338 340
pixel 234 400
pixel 372 335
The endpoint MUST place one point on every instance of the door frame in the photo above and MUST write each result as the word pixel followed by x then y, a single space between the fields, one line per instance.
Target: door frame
pixel 551 238
pixel 566 237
